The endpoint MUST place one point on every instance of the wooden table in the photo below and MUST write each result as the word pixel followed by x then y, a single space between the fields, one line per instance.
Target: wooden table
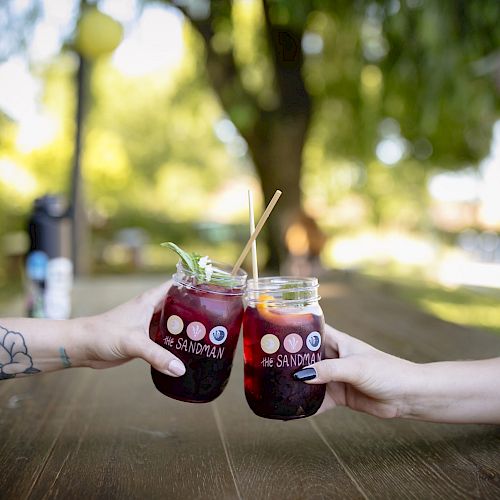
pixel 110 434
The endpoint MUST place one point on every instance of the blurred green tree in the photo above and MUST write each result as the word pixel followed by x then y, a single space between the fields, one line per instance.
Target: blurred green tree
pixel 408 79
pixel 338 91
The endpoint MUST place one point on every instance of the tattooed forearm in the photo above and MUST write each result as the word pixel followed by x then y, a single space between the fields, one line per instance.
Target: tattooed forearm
pixel 14 356
pixel 64 357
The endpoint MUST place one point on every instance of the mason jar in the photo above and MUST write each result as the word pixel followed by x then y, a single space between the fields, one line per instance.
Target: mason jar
pixel 283 328
pixel 200 323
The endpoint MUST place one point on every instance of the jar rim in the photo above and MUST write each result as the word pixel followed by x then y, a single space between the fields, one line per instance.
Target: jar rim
pixel 281 290
pixel 277 282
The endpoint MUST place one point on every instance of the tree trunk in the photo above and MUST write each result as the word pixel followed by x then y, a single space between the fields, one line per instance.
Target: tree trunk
pixel 277 154
pixel 276 138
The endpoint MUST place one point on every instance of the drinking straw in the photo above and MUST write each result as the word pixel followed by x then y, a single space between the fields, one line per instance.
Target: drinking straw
pixel 260 224
pixel 255 269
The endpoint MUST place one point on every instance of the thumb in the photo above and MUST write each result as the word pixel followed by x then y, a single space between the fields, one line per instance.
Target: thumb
pixel 158 357
pixel 331 370
pixel 156 296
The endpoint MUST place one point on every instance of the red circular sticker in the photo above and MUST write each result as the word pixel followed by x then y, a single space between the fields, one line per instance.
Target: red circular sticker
pixel 196 330
pixel 293 343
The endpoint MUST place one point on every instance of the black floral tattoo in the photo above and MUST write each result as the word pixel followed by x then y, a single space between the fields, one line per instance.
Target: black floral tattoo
pixel 14 357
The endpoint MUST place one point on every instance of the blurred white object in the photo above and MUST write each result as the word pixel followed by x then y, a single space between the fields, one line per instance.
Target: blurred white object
pixel 58 284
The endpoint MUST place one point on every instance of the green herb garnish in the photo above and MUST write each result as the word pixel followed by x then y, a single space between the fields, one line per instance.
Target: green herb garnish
pixel 202 268
pixel 296 295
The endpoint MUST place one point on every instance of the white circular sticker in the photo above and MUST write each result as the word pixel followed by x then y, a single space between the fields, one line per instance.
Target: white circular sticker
pixel 270 343
pixel 175 324
pixel 313 341
pixel 218 335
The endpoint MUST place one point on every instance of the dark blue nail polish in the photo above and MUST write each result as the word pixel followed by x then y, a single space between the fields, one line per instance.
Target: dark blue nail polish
pixel 305 374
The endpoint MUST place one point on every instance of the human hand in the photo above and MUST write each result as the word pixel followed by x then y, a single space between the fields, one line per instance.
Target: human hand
pixel 363 378
pixel 121 334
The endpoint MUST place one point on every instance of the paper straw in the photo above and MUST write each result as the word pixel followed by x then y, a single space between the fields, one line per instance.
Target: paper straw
pixel 255 269
pixel 260 224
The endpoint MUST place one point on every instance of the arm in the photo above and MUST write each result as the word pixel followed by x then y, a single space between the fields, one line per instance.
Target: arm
pixel 29 346
pixel 366 379
pixel 458 391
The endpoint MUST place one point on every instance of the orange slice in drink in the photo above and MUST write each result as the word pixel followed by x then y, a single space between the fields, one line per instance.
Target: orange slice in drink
pixel 276 314
pixel 263 302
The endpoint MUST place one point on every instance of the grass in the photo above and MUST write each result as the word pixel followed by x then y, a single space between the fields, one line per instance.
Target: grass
pixel 479 308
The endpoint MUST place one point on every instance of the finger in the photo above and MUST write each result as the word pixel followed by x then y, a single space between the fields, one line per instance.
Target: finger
pixel 330 370
pixel 337 338
pixel 335 395
pixel 156 296
pixel 332 337
pixel 343 343
pixel 154 324
pixel 158 357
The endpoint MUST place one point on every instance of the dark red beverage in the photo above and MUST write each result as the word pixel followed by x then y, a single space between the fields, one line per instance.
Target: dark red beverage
pixel 281 336
pixel 200 324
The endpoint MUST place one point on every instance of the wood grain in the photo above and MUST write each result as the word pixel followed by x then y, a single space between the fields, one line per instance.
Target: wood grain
pixel 32 412
pixel 274 459
pixel 110 434
pixel 403 459
pixel 126 440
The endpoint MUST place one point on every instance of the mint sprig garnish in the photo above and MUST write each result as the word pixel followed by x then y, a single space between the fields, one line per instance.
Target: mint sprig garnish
pixel 201 267
pixel 187 259
pixel 297 294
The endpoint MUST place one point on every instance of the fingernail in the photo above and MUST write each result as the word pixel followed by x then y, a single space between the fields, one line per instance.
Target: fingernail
pixel 305 374
pixel 176 367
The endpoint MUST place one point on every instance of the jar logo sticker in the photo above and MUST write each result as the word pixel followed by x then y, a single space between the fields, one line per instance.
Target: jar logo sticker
pixel 313 341
pixel 269 343
pixel 293 343
pixel 218 335
pixel 175 324
pixel 196 330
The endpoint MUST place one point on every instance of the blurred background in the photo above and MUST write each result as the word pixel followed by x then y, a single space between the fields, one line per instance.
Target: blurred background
pixel 379 121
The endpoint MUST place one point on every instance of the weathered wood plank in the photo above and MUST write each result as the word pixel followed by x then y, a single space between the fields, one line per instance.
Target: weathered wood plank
pixel 126 440
pixel 110 434
pixel 403 459
pixel 32 412
pixel 274 459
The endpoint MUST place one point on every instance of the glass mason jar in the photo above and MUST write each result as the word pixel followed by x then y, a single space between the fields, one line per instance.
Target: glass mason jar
pixel 200 323
pixel 283 329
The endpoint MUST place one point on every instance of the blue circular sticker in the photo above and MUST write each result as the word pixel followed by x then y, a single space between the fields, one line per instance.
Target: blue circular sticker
pixel 218 335
pixel 313 341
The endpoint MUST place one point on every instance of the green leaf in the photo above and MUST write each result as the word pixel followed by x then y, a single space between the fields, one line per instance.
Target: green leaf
pixel 186 258
pixel 294 295
pixel 192 262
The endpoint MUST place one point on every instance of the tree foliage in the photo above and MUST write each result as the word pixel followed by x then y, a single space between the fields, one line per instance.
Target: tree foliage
pixel 431 66
pixel 314 87
pixel 343 76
